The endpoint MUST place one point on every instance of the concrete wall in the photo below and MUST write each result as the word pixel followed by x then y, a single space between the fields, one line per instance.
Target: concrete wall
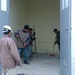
pixel 44 15
pixel 72 37
pixel 17 14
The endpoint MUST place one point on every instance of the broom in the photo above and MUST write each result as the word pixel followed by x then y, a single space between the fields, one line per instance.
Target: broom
pixel 52 54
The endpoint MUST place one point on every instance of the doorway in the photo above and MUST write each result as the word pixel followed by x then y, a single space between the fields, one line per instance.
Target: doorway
pixel 28 12
pixel 43 15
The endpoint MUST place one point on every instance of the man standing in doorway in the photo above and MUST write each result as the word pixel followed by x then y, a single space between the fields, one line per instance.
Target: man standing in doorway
pixel 32 38
pixel 57 38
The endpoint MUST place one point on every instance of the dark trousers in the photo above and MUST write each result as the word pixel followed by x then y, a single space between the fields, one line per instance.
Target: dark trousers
pixel 59 46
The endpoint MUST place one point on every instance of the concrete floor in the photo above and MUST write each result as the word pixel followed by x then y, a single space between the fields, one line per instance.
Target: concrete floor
pixel 40 64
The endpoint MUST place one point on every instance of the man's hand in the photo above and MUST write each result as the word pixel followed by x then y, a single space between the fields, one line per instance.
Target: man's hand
pixel 17 35
pixel 25 45
pixel 33 38
pixel 19 63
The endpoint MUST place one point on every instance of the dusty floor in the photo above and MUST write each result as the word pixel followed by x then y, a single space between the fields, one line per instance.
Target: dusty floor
pixel 40 64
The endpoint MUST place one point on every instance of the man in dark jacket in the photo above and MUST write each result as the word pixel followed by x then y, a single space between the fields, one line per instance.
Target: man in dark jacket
pixel 57 38
pixel 32 38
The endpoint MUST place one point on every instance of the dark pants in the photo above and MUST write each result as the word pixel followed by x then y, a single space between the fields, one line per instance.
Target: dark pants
pixel 59 46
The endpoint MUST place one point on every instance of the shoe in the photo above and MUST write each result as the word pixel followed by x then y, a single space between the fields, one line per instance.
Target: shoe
pixel 26 62
pixel 20 74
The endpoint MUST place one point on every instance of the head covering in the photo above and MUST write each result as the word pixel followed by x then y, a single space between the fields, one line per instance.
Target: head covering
pixel 30 29
pixel 26 27
pixel 55 30
pixel 6 29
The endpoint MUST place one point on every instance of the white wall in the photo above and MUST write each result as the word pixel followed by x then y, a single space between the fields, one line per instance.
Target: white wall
pixel 17 14
pixel 44 15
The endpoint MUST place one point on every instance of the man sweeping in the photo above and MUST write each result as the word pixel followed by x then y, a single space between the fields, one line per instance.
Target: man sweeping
pixel 57 38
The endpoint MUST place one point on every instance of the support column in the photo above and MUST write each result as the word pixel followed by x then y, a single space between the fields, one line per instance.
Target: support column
pixel 73 37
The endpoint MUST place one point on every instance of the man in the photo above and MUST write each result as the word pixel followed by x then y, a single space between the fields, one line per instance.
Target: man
pixel 23 39
pixel 32 38
pixel 9 56
pixel 57 38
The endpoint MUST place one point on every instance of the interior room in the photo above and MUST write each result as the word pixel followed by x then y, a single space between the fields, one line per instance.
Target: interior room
pixel 44 17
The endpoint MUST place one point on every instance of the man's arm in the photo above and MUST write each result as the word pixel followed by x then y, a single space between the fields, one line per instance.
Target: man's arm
pixel 14 52
pixel 56 41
